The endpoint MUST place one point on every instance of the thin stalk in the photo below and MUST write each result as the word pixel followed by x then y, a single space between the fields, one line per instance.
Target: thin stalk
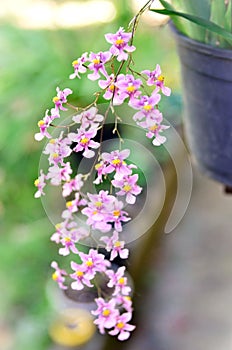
pixel 135 19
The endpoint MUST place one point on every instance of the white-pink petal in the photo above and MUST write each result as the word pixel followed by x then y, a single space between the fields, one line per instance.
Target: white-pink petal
pixel 124 253
pixel 77 285
pixel 38 136
pixel 123 335
pixel 88 153
pixel 159 140
pixel 64 251
pixel 130 198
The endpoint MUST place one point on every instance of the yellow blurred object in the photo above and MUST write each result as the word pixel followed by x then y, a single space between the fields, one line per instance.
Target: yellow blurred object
pixel 72 327
pixel 49 14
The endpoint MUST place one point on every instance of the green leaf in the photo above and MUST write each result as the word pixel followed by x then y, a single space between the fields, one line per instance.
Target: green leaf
pixel 179 24
pixel 218 11
pixel 193 7
pixel 197 20
pixel 196 8
pixel 217 16
pixel 228 17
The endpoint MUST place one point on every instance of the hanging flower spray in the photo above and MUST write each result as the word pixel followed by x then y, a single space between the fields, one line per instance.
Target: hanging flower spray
pixel 104 210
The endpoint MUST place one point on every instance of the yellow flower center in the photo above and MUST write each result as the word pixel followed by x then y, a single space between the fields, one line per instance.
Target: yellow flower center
pixel 36 182
pixel 85 140
pixel 79 273
pixel 97 166
pixel 89 263
pixel 111 87
pixel 119 42
pixel 147 107
pixel 75 63
pixel 55 276
pixel 121 280
pixel 55 155
pixel 58 226
pixel 153 127
pixel 130 88
pixel 160 78
pixel 117 244
pixel 52 141
pixel 126 188
pixel 96 61
pixel 95 212
pixel 67 239
pixel 41 123
pixel 120 325
pixel 116 212
pixel 106 312
pixel 55 99
pixel 69 204
pixel 127 298
pixel 116 161
pixel 98 204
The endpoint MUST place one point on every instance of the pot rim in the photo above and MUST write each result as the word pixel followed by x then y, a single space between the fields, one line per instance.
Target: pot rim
pixel 192 44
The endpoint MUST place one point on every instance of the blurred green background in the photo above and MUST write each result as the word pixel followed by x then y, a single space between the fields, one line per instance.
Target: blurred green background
pixel 34 59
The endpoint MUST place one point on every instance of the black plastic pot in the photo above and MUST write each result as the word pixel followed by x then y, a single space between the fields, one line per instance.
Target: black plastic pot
pixel 207 93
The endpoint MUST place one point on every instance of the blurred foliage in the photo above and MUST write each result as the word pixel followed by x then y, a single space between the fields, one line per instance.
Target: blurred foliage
pixel 32 64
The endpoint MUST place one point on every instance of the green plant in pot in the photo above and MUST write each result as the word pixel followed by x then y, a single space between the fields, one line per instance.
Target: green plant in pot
pixel 203 32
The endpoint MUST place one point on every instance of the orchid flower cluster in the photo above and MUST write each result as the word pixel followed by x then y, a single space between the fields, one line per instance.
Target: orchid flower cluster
pixel 105 210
